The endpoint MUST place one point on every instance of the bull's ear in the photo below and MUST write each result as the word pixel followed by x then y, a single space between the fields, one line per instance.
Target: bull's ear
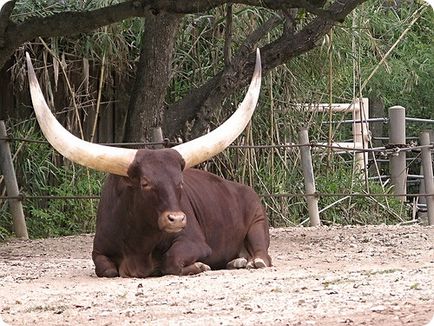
pixel 182 161
pixel 133 177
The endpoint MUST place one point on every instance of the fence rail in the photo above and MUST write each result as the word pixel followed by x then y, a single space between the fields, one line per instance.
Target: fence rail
pixel 391 149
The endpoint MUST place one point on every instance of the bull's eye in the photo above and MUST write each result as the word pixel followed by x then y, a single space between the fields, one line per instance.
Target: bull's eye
pixel 146 186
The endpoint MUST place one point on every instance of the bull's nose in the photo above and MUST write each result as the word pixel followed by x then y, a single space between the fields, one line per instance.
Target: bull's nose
pixel 173 221
pixel 176 218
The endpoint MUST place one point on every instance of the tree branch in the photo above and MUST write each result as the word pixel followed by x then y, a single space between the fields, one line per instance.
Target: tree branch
pixel 227 49
pixel 65 24
pixel 206 98
pixel 5 13
pixel 209 96
pixel 70 23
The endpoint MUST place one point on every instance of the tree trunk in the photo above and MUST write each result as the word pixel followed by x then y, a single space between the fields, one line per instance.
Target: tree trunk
pixel 153 76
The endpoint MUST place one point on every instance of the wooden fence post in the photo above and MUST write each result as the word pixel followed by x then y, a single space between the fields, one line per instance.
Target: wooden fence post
pixel 398 168
pixel 309 179
pixel 424 139
pixel 7 167
pixel 157 137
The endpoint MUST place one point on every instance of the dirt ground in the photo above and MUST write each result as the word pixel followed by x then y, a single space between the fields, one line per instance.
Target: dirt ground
pixel 375 275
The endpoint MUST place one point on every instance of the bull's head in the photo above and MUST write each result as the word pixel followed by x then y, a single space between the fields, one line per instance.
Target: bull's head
pixel 157 173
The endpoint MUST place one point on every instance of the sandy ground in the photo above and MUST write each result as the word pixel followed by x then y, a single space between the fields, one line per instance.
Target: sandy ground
pixel 375 275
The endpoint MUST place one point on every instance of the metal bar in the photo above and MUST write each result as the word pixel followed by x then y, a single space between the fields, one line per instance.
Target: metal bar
pixel 6 138
pixel 167 143
pixel 23 197
pixel 419 120
pixel 384 120
pixel 325 107
pixel 284 195
pixel 26 140
pixel 409 176
pixel 387 138
pixel 319 194
pixel 358 121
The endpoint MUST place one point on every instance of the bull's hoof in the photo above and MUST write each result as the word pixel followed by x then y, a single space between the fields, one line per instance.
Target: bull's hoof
pixel 111 272
pixel 256 263
pixel 237 263
pixel 202 267
pixel 259 263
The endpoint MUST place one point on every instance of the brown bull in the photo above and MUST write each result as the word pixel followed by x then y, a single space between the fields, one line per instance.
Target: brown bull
pixel 156 215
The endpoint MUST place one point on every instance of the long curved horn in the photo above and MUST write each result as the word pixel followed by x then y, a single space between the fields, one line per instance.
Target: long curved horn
pixel 203 148
pixel 98 157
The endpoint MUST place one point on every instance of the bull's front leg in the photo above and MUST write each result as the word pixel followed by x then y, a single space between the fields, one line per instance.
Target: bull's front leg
pixel 104 266
pixel 184 258
pixel 138 265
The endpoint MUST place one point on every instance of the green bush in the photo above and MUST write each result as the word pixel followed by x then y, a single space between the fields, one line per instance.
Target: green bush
pixel 38 175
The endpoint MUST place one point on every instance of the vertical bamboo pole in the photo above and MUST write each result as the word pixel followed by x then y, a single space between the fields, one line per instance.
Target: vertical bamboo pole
pixel 365 129
pixel 361 131
pixel 309 179
pixel 398 169
pixel 424 139
pixel 7 167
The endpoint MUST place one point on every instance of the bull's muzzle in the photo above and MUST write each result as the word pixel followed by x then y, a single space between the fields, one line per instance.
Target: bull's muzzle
pixel 172 222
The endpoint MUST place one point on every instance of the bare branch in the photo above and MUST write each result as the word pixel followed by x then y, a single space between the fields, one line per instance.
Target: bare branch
pixel 5 13
pixel 227 50
pixel 289 45
pixel 64 24
pixel 210 95
pixel 70 23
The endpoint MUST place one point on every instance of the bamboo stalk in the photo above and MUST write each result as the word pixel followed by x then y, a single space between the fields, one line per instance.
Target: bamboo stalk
pixel 417 14
pixel 98 101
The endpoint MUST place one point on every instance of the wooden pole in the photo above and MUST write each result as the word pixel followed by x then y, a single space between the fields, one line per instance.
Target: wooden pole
pixel 309 179
pixel 422 199
pixel 376 110
pixel 398 168
pixel 357 132
pixel 157 137
pixel 7 167
pixel 361 130
pixel 424 139
pixel 365 130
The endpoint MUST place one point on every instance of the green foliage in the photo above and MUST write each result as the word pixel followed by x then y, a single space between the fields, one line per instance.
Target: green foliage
pixel 5 224
pixel 344 61
pixel 65 216
pixel 38 175
pixel 406 78
pixel 355 209
pixel 119 43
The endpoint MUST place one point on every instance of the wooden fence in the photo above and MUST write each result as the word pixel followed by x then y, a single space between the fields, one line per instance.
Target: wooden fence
pixel 396 148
